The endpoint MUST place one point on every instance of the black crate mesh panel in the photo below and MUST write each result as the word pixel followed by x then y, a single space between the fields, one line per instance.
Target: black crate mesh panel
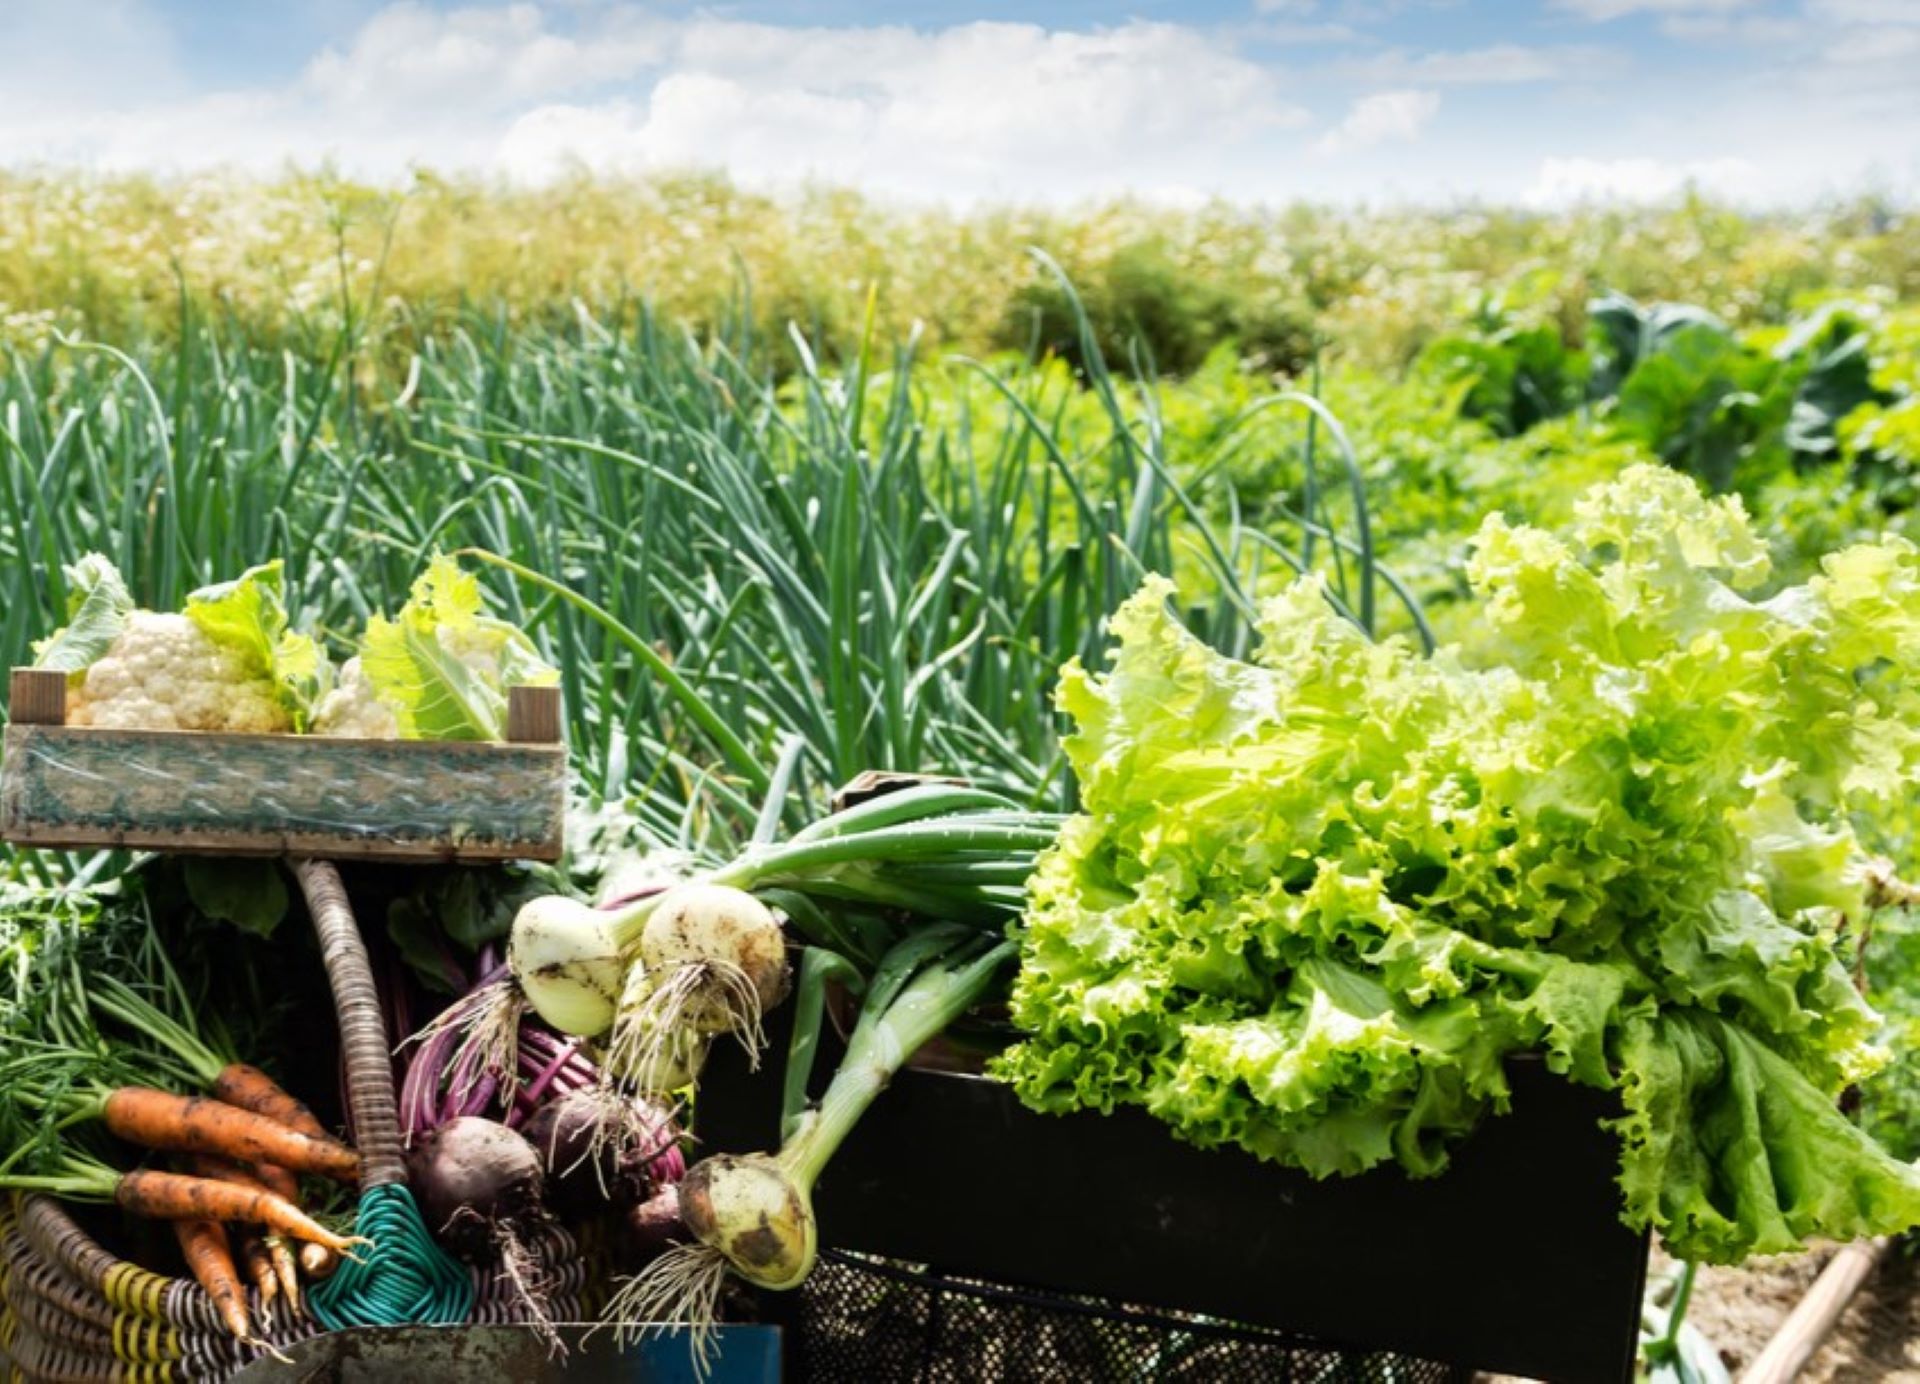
pixel 869 1321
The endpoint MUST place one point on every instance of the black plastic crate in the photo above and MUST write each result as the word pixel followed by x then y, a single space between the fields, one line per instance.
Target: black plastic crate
pixel 1514 1260
pixel 859 1318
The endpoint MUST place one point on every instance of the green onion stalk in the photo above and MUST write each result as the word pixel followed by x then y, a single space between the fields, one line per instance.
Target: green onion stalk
pixel 752 1215
pixel 656 978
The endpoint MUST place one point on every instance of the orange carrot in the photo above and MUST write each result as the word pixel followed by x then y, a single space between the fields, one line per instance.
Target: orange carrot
pixel 283 1279
pixel 317 1261
pixel 277 1180
pixel 199 1124
pixel 204 1243
pixel 285 1273
pixel 253 1253
pixel 174 1197
pixel 252 1089
pixel 268 1176
pixel 240 1174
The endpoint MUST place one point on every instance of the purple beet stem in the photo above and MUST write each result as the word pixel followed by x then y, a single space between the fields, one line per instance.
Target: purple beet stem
pixel 443 1083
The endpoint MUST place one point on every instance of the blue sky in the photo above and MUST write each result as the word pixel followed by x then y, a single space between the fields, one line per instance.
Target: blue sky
pixel 1369 101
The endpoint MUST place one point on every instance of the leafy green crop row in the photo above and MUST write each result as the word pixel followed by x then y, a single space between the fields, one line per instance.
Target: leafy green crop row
pixel 285 262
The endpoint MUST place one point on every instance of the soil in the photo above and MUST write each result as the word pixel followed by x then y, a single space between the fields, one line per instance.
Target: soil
pixel 1740 1309
pixel 1877 1338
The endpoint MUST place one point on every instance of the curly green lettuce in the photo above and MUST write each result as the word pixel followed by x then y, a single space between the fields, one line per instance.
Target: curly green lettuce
pixel 1315 901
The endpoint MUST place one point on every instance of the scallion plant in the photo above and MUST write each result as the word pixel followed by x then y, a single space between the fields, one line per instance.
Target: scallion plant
pixel 752 1215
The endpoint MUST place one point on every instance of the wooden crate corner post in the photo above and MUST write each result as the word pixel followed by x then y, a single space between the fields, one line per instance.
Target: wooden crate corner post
pixel 37 697
pixel 533 715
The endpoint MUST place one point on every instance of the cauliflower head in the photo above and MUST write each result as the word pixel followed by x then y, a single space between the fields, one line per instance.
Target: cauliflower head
pixel 164 673
pixel 353 710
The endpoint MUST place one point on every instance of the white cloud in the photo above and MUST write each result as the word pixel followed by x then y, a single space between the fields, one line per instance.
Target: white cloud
pixel 1171 111
pixel 1570 181
pixel 498 56
pixel 1619 9
pixel 1497 65
pixel 412 85
pixel 986 109
pixel 1865 11
pixel 994 109
pixel 1742 28
pixel 1862 47
pixel 1381 118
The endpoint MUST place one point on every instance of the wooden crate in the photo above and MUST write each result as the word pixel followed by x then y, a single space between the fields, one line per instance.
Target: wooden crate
pixel 82 787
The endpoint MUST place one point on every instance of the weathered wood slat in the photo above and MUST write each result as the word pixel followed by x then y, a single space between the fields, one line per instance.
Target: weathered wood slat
pixel 37 697
pixel 282 795
pixel 533 715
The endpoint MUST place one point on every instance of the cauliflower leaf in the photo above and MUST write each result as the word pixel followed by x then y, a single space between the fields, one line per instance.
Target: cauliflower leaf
pixel 98 607
pixel 248 616
pixel 442 665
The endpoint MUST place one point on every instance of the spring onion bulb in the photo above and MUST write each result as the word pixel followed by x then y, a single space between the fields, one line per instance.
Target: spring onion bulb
pixel 658 974
pixel 568 963
pixel 752 1215
pixel 756 1213
pixel 655 1061
pixel 715 960
pixel 700 929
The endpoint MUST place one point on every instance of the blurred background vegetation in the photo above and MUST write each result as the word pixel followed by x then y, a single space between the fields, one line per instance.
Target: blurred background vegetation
pixel 113 257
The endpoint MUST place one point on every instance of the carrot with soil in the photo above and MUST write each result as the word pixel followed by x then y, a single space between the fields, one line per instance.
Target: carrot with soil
pixel 55 1088
pixel 173 1038
pixel 199 1124
pixel 272 1176
pixel 175 1197
pixel 279 1255
pixel 246 1086
pixel 317 1262
pixel 209 1254
pixel 259 1272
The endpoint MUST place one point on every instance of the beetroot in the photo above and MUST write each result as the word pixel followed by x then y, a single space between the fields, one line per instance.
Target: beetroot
pixel 600 1146
pixel 480 1186
pixel 648 1228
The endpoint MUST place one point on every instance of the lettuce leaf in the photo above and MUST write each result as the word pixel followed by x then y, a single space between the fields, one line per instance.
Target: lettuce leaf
pixel 249 616
pixel 1731 1150
pixel 443 665
pixel 98 604
pixel 1314 901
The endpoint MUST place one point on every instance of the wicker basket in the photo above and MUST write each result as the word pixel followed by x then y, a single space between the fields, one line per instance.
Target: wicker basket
pixel 72 1310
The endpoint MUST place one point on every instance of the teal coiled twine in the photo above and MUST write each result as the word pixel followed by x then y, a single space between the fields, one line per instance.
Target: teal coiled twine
pixel 402 1279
